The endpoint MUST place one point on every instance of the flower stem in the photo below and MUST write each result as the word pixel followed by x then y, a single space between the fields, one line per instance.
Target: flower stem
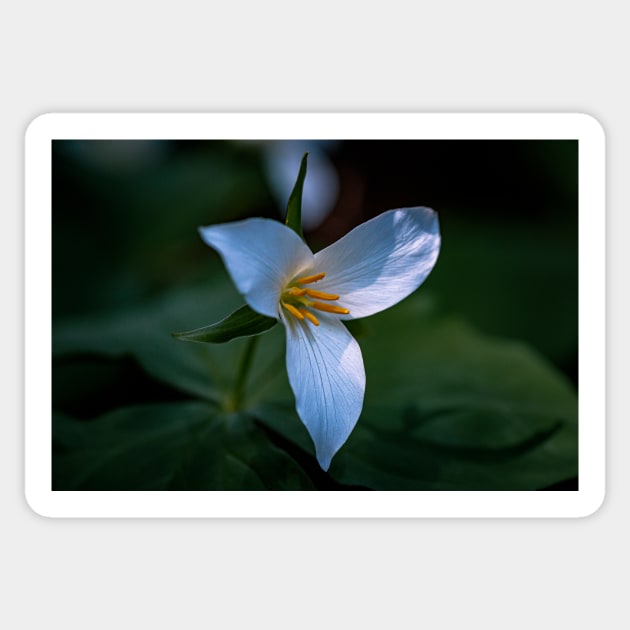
pixel 243 371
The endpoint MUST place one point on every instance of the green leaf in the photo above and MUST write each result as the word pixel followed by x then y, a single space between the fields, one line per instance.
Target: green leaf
pixel 243 322
pixel 294 207
pixel 447 408
pixel 178 446
pixel 144 331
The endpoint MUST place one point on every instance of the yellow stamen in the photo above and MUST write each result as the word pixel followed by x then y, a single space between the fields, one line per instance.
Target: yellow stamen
pixel 293 310
pixel 309 316
pixel 311 279
pixel 330 308
pixel 296 292
pixel 321 295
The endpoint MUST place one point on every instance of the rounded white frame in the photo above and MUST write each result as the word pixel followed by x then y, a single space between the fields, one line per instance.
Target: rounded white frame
pixel 592 404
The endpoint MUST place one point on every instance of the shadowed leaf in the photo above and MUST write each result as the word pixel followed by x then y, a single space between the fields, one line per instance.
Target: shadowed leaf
pixel 243 322
pixel 294 207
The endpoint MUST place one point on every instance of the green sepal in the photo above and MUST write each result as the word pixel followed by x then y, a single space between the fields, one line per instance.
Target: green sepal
pixel 294 206
pixel 244 322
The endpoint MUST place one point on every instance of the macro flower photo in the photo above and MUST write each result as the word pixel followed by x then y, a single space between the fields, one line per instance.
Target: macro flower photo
pixel 375 266
pixel 417 331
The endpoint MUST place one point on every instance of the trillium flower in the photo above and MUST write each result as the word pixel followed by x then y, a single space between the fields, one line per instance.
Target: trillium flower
pixel 370 269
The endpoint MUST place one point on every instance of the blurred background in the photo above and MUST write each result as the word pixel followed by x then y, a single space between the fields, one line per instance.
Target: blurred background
pixel 129 268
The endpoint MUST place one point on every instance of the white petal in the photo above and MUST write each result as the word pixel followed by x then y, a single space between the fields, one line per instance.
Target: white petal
pixel 327 376
pixel 381 261
pixel 261 256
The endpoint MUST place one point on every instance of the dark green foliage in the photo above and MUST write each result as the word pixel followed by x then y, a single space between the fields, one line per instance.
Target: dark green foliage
pixel 241 323
pixel 294 206
pixel 470 381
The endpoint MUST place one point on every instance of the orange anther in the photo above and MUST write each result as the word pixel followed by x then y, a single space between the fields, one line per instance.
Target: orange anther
pixel 309 316
pixel 293 310
pixel 321 295
pixel 311 279
pixel 330 308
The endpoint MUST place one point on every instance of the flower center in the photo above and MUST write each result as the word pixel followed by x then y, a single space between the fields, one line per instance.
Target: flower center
pixel 297 300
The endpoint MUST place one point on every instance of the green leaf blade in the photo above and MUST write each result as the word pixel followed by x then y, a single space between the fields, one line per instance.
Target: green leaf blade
pixel 448 408
pixel 170 446
pixel 294 206
pixel 244 322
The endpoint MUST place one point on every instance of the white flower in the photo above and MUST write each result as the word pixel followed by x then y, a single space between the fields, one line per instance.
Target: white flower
pixel 370 269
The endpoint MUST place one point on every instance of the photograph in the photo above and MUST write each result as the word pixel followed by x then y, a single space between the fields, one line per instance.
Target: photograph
pixel 314 314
